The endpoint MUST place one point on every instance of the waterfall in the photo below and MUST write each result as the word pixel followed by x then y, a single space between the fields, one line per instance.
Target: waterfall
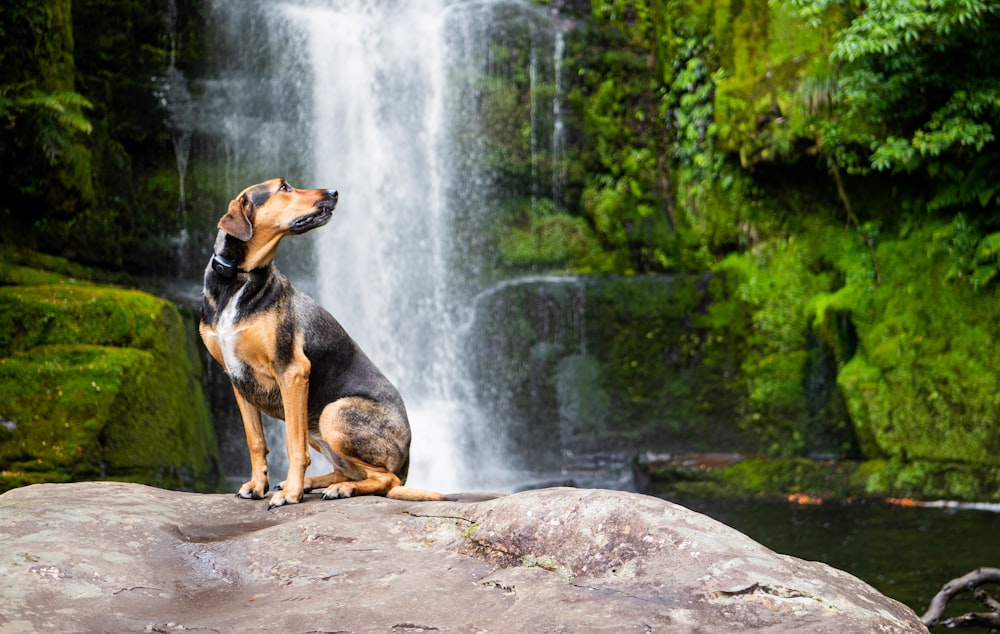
pixel 558 125
pixel 171 89
pixel 382 100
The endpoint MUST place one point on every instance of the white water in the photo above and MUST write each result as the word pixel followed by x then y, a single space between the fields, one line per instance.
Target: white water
pixel 376 125
pixel 377 99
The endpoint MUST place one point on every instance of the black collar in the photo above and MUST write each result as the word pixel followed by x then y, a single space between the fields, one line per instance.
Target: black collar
pixel 224 266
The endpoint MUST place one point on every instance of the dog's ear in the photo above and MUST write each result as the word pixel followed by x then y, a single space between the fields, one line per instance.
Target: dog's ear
pixel 235 222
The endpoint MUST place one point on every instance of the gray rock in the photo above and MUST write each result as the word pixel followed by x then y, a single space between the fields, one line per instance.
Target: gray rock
pixel 123 557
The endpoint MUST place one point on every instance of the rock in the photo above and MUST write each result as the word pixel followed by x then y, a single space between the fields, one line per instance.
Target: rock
pixel 107 556
pixel 101 382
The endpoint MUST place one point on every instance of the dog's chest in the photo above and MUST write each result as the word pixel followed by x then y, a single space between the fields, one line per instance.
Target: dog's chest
pixel 245 346
pixel 229 335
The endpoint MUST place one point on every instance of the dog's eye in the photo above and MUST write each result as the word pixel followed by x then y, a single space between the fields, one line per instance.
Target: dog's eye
pixel 284 187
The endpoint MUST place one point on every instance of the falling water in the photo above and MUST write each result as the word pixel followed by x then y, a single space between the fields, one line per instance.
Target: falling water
pixel 173 93
pixel 380 100
pixel 533 89
pixel 558 125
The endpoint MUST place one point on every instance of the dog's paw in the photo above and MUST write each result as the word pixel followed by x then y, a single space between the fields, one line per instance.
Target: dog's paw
pixel 281 498
pixel 250 492
pixel 306 486
pixel 338 491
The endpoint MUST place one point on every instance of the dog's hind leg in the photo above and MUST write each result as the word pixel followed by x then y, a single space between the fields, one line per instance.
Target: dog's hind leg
pixel 378 482
pixel 257 487
pixel 323 481
pixel 368 444
pixel 310 483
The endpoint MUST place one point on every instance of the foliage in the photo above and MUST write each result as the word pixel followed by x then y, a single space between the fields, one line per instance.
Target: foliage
pixel 43 150
pixel 83 125
pixel 919 87
pixel 786 364
pixel 618 94
pixel 55 116
pixel 549 239
pixel 922 381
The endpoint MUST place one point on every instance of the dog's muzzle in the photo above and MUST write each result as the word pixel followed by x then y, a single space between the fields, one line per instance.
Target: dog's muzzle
pixel 318 218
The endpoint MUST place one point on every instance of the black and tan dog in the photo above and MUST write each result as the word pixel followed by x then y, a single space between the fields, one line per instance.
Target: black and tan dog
pixel 289 358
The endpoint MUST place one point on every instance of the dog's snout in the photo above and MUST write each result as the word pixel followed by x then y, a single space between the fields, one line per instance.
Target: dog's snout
pixel 332 193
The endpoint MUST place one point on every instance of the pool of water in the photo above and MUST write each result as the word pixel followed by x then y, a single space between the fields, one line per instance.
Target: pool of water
pixel 906 553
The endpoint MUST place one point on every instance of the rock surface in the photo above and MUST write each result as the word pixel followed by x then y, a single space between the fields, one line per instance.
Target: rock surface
pixel 123 557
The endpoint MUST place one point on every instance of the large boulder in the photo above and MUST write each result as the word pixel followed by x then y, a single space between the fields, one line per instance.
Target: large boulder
pixel 125 557
pixel 98 381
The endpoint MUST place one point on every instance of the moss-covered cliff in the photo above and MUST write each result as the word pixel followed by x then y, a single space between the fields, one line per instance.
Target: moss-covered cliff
pixel 98 381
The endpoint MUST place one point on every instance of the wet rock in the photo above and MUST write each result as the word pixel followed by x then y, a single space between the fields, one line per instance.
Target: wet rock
pixel 125 557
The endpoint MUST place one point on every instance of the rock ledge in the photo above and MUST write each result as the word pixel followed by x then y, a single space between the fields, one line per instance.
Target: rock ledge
pixel 123 557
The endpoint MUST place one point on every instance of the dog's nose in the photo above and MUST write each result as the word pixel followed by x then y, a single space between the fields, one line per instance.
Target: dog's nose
pixel 332 193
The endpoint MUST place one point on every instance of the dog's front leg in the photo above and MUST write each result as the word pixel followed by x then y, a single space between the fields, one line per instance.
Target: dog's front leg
pixel 257 487
pixel 295 398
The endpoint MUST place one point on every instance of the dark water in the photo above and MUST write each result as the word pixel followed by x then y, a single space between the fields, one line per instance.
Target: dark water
pixel 906 553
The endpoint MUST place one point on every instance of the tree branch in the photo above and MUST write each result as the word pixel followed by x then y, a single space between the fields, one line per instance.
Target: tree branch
pixel 842 192
pixel 965 583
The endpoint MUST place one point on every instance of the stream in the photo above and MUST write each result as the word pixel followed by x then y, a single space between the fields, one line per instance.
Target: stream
pixel 906 553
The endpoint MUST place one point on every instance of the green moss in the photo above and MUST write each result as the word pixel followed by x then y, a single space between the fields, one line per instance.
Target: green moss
pixel 100 382
pixel 785 363
pixel 551 241
pixel 764 478
pixel 57 402
pixel 12 274
pixel 933 480
pixel 43 315
pixel 767 51
pixel 24 267
pixel 913 356
pixel 773 478
pixel 922 384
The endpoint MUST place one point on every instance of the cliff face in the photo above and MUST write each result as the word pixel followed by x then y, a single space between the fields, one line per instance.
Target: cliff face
pixel 118 556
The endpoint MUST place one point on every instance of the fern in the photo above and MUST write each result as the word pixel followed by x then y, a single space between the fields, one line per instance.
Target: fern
pixel 56 116
pixel 989 248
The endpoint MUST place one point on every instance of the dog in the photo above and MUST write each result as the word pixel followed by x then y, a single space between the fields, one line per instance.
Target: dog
pixel 288 357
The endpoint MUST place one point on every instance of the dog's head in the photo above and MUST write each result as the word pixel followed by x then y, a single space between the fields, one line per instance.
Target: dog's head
pixel 263 214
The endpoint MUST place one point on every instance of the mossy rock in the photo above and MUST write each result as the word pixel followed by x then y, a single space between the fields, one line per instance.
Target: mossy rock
pixel 921 385
pixel 819 480
pixel 554 241
pixel 763 478
pixel 78 313
pixel 927 479
pixel 100 382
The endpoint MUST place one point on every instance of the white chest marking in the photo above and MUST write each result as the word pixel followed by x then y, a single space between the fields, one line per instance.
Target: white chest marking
pixel 228 335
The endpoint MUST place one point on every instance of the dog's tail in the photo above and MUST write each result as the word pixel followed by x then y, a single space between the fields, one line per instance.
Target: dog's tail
pixel 415 495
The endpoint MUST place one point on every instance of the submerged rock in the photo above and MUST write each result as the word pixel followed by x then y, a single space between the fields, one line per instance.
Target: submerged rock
pixel 123 557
